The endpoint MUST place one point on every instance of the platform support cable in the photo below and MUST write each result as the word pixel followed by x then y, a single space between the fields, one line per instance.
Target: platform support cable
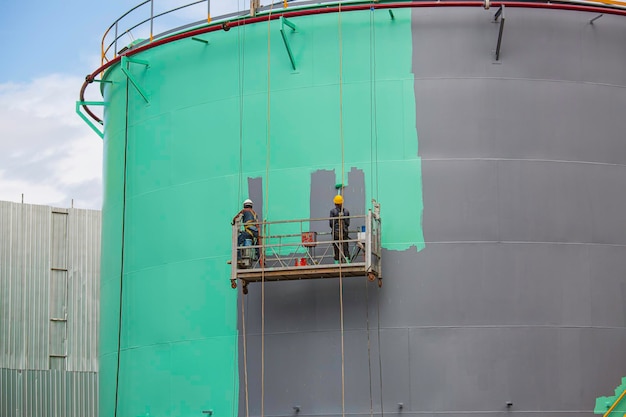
pixel 367 320
pixel 380 361
pixel 369 347
pixel 341 237
pixel 266 204
pixel 241 64
pixel 241 55
pixel 245 350
pixel 375 106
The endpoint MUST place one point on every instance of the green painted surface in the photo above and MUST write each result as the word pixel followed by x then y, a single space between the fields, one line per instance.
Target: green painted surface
pixel 183 185
pixel 603 404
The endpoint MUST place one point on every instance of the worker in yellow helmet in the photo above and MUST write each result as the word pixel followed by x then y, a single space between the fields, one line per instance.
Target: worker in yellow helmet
pixel 339 222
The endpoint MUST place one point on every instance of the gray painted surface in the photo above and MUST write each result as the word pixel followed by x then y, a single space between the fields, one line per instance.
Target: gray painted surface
pixel 520 292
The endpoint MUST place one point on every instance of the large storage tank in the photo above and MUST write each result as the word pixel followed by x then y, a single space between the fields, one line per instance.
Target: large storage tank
pixel 496 151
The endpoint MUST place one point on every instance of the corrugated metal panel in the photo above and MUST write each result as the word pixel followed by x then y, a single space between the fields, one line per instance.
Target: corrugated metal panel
pixel 83 290
pixel 58 259
pixel 58 289
pixel 25 255
pixel 25 393
pixel 49 287
pixel 5 284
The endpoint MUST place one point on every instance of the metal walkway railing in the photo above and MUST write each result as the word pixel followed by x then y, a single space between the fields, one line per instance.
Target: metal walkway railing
pixel 144 18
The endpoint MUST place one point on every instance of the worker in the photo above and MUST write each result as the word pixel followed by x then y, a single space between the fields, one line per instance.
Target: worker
pixel 339 222
pixel 250 223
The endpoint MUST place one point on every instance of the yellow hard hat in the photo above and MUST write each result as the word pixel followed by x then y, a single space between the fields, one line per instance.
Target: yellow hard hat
pixel 338 199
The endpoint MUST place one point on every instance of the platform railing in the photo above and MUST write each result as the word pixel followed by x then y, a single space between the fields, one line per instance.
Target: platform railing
pixel 307 248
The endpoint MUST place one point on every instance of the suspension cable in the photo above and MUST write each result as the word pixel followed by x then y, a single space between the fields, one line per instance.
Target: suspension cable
pixel 241 62
pixel 342 255
pixel 380 361
pixel 245 351
pixel 266 204
pixel 374 101
pixel 369 347
pixel 375 122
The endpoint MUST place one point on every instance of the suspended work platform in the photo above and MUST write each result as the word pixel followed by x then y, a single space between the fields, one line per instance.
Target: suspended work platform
pixel 307 249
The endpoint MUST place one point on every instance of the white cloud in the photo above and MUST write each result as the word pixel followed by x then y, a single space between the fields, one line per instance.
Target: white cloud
pixel 46 151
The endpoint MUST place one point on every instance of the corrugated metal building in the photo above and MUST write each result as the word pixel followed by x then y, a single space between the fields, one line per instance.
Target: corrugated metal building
pixel 49 298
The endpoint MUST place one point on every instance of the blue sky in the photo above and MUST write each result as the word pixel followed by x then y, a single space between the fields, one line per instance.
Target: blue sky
pixel 47 152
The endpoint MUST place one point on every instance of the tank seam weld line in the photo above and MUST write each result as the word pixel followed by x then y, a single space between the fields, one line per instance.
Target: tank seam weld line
pixel 175 342
pixel 595 83
pixel 447 412
pixel 134 271
pixel 469 326
pixel 514 242
pixel 325 167
pixel 260 173
pixel 526 160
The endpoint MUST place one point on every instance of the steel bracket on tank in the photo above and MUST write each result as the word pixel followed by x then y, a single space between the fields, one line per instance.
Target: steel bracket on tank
pixel 284 22
pixel 125 69
pixel 93 127
pixel 499 14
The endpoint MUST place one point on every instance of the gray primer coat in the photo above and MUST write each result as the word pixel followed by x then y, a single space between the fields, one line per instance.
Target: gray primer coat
pixel 520 292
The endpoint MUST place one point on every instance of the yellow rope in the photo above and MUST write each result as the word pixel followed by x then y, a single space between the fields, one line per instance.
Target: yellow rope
pixel 615 404
pixel 266 209
pixel 367 319
pixel 343 373
pixel 245 352
pixel 241 53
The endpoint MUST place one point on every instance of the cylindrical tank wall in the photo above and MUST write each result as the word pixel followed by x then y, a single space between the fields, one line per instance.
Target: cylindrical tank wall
pixel 504 281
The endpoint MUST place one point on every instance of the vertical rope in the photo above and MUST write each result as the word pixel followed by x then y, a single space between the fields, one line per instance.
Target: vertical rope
pixel 374 101
pixel 375 121
pixel 266 204
pixel 240 77
pixel 371 104
pixel 245 353
pixel 369 347
pixel 241 64
pixel 380 361
pixel 241 52
pixel 341 237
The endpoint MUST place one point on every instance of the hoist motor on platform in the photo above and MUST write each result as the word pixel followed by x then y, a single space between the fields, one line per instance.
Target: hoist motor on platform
pixel 307 249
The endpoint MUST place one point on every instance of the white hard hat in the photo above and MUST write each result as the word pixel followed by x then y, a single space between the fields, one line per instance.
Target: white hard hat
pixel 248 202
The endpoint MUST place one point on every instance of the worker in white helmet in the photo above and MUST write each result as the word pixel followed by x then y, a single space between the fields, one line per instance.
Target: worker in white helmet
pixel 250 223
pixel 339 222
